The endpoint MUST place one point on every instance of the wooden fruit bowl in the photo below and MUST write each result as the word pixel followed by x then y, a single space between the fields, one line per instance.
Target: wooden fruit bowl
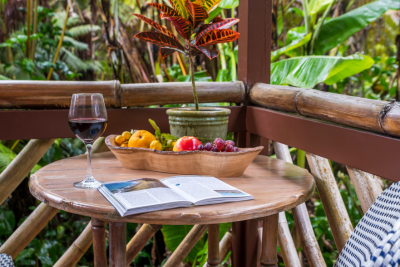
pixel 217 164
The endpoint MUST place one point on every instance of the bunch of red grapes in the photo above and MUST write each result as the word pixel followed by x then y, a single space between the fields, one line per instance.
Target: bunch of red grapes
pixel 219 145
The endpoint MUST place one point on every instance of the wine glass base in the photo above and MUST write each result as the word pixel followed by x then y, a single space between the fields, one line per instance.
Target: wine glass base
pixel 87 184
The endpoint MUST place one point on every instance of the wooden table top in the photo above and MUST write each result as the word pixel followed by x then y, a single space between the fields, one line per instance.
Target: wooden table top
pixel 275 184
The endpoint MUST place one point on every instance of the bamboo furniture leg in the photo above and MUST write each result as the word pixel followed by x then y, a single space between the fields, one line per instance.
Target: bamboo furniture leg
pixel 117 243
pixel 302 219
pixel 225 245
pixel 366 186
pixel 213 245
pixel 138 242
pixel 99 243
pixel 334 207
pixel 269 257
pixel 77 249
pixel 27 231
pixel 186 246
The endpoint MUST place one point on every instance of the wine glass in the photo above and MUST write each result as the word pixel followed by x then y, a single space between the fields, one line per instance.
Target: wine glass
pixel 87 118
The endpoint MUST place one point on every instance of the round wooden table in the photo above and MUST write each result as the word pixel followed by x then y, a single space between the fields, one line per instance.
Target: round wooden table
pixel 276 186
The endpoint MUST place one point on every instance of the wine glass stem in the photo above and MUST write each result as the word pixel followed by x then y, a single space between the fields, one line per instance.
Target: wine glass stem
pixel 89 175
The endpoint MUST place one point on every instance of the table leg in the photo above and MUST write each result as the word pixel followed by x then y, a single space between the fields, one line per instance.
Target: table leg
pixel 99 243
pixel 117 247
pixel 269 257
pixel 244 243
pixel 213 246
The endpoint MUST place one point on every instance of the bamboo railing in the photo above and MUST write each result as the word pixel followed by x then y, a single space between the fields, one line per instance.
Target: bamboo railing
pixel 374 116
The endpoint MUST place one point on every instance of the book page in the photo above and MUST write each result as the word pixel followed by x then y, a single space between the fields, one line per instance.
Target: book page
pixel 196 188
pixel 142 193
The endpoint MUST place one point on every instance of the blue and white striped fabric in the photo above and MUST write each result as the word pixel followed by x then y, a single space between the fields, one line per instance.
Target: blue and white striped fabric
pixel 6 260
pixel 376 239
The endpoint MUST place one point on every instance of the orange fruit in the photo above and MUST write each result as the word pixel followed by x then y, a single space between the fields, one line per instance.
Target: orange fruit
pixel 119 139
pixel 126 135
pixel 124 144
pixel 156 145
pixel 141 139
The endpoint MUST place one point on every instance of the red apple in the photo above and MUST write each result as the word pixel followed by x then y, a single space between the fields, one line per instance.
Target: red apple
pixel 187 143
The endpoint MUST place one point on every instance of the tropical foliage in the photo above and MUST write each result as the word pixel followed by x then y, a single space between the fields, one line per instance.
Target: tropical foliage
pixel 345 47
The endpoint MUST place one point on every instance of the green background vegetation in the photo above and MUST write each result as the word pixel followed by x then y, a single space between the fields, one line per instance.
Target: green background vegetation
pixel 340 46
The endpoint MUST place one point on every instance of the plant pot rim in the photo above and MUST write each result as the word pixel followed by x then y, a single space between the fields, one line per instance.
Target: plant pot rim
pixel 204 112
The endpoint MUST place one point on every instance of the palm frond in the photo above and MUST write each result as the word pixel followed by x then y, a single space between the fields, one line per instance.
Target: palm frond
pixel 83 30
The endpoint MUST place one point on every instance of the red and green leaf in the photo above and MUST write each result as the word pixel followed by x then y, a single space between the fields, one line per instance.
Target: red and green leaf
pixel 183 26
pixel 180 7
pixel 217 36
pixel 166 10
pixel 208 5
pixel 166 51
pixel 217 19
pixel 159 39
pixel 197 14
pixel 157 26
pixel 210 53
pixel 220 25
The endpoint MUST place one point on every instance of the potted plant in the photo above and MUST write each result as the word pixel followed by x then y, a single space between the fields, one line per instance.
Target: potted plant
pixel 188 19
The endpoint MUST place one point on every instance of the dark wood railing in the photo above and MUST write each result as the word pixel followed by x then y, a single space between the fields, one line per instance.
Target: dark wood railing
pixel 356 132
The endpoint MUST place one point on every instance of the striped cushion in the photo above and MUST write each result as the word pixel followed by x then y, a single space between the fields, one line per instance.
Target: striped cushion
pixel 6 260
pixel 375 240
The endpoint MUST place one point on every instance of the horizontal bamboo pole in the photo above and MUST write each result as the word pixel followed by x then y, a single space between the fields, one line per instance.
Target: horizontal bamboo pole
pixel 57 94
pixel 27 231
pixel 367 187
pixel 137 243
pixel 302 221
pixel 328 191
pixel 372 115
pixel 177 93
pixel 186 245
pixel 77 249
pixel 225 245
pixel 23 163
pixel 53 94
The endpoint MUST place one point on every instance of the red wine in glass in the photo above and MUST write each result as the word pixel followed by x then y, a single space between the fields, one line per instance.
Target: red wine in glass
pixel 88 130
pixel 87 118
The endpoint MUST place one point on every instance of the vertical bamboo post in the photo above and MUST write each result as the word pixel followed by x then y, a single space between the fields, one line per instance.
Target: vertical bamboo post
pixel 77 249
pixel 117 243
pixel 99 243
pixel 366 186
pixel 332 201
pixel 138 242
pixel 30 228
pixel 23 163
pixel 225 245
pixel 269 257
pixel 302 219
pixel 213 259
pixel 186 246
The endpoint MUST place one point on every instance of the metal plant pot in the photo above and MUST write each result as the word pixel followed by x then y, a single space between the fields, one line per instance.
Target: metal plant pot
pixel 207 124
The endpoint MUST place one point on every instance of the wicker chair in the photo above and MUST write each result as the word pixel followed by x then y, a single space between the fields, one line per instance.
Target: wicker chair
pixel 6 260
pixel 376 239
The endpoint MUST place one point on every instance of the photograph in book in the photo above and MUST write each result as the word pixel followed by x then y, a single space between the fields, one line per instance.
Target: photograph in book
pixel 147 194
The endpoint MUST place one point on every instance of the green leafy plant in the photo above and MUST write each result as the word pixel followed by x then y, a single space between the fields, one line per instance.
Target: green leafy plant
pixel 188 19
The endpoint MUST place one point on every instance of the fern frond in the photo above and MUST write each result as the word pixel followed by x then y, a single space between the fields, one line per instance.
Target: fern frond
pixel 73 62
pixel 76 44
pixel 83 30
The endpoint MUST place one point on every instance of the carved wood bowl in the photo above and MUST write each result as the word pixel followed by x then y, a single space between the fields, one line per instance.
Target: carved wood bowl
pixel 217 164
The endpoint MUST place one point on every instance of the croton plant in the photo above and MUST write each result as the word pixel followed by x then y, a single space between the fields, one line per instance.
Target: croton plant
pixel 188 19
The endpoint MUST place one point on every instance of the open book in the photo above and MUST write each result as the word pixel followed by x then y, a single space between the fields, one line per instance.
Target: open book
pixel 146 194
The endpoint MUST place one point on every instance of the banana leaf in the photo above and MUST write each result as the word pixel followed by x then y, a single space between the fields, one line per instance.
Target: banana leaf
pixel 309 71
pixel 316 6
pixel 337 30
pixel 293 45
